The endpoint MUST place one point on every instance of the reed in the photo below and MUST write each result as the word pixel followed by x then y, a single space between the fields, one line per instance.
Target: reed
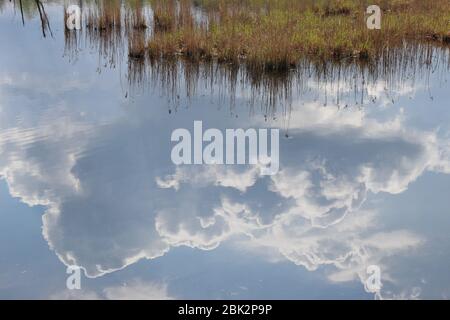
pixel 164 15
pixel 275 34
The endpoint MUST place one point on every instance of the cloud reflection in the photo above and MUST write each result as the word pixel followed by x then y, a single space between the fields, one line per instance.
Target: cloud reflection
pixel 113 197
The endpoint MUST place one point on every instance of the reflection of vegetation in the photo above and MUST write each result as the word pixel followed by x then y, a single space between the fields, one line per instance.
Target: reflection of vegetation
pixel 270 48
pixel 276 34
pixel 164 16
pixel 104 28
pixel 28 9
pixel 273 46
pixel 267 49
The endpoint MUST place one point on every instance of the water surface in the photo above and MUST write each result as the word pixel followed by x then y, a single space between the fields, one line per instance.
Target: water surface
pixel 87 179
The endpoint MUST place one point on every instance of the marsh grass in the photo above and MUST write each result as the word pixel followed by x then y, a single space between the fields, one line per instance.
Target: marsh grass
pixel 340 82
pixel 273 47
pixel 136 26
pixel 267 51
pixel 136 45
pixel 275 34
pixel 164 15
pixel 103 25
pixel 263 52
pixel 135 18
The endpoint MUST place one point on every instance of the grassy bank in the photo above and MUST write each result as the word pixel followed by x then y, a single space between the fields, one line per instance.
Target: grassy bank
pixel 270 47
pixel 276 34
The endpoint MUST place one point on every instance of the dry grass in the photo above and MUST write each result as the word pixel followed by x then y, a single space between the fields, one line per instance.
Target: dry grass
pixel 276 34
pixel 104 29
pixel 105 17
pixel 136 45
pixel 268 45
pixel 164 16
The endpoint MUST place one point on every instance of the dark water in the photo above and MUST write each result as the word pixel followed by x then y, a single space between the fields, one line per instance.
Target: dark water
pixel 87 178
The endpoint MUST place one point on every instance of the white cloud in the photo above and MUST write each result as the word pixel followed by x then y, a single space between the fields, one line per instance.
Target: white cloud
pixel 75 295
pixel 221 176
pixel 113 199
pixel 135 290
pixel 138 291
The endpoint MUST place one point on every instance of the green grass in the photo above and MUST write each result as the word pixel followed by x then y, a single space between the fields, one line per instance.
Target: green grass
pixel 276 34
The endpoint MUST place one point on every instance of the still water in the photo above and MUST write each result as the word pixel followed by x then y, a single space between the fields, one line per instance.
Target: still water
pixel 86 176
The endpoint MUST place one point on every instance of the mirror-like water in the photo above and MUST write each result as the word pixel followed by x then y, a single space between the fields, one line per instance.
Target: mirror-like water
pixel 87 177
